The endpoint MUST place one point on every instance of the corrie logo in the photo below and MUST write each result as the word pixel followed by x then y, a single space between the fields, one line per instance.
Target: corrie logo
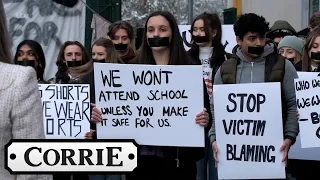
pixel 47 156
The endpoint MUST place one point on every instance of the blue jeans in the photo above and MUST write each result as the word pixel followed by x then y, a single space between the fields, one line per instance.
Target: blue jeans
pixel 104 177
pixel 206 169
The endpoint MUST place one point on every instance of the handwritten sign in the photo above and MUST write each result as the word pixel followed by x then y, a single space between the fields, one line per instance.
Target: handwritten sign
pixel 48 23
pixel 296 152
pixel 228 39
pixel 308 104
pixel 66 110
pixel 155 105
pixel 248 135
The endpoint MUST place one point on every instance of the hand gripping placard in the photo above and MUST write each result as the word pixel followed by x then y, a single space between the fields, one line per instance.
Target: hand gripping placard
pixel 48 156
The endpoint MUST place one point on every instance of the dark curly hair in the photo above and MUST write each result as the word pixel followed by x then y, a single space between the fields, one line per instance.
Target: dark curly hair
pixel 250 23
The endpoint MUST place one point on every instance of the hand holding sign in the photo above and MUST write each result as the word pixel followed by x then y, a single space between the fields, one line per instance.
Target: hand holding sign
pixel 96 115
pixel 203 118
pixel 297 114
pixel 285 147
pixel 215 152
pixel 89 135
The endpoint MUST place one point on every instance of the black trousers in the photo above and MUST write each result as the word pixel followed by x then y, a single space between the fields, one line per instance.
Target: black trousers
pixel 155 168
pixel 67 176
pixel 304 169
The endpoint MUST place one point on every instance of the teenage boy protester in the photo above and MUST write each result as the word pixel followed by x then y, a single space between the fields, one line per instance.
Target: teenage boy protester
pixel 256 60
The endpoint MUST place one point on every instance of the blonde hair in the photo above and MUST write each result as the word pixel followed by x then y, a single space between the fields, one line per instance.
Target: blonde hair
pixel 5 53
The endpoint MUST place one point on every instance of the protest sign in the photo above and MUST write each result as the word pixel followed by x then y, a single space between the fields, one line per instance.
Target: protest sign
pixel 308 103
pixel 248 135
pixel 296 151
pixel 66 110
pixel 46 22
pixel 155 105
pixel 228 38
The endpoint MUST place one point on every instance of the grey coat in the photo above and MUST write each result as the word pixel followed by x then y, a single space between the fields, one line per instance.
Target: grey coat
pixel 20 112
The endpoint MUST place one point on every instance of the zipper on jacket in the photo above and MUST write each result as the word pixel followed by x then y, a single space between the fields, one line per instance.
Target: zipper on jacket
pixel 177 159
pixel 251 71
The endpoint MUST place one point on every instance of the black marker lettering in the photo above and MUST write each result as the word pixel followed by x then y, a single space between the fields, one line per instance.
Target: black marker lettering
pixel 45 105
pixel 151 77
pixel 143 123
pixel 315 83
pixel 50 131
pixel 111 79
pixel 144 111
pixel 232 95
pixel 302 85
pixel 315 118
pixel 120 122
pixel 243 127
pixel 252 102
pixel 60 126
pixel 248 152
pixel 163 123
pixel 171 94
pixel 175 111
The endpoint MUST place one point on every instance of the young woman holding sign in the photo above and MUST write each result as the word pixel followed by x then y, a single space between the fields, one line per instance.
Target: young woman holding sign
pixel 73 62
pixel 103 51
pixel 163 45
pixel 311 52
pixel 207 50
pixel 306 169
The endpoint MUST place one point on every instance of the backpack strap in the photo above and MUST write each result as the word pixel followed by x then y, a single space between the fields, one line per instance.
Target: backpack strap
pixel 274 68
pixel 228 71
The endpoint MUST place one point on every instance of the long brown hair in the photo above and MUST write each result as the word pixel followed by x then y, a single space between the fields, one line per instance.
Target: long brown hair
pixel 177 56
pixel 306 60
pixel 112 54
pixel 211 22
pixel 5 53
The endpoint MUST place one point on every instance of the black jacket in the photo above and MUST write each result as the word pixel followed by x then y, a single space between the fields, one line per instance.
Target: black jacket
pixel 89 79
pixel 189 155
